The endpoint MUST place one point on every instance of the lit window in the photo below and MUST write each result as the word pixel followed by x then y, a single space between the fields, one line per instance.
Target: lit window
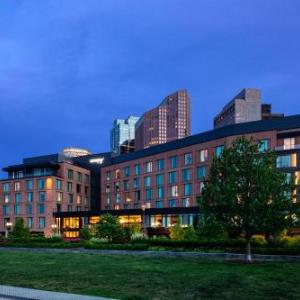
pixel 149 167
pixel 174 191
pixel 17 186
pixel 286 161
pixel 203 155
pixel 289 143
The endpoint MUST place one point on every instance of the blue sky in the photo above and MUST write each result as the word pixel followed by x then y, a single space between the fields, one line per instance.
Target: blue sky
pixel 69 68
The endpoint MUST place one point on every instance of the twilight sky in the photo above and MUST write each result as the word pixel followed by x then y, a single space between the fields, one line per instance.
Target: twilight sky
pixel 69 68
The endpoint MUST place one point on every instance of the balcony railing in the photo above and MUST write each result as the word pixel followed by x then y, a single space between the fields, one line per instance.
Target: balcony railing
pixel 287 147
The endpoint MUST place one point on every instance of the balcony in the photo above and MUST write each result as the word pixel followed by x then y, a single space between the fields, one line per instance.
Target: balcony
pixel 287 147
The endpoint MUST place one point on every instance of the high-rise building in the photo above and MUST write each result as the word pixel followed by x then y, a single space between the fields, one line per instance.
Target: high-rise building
pixel 246 106
pixel 169 121
pixel 122 135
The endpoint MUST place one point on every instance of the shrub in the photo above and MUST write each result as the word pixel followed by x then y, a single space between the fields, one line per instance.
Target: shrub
pixel 210 228
pixel 85 233
pixel 177 232
pixel 290 242
pixel 189 233
pixel 19 230
pixel 258 240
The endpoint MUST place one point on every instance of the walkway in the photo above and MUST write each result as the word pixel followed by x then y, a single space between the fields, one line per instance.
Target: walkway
pixel 17 293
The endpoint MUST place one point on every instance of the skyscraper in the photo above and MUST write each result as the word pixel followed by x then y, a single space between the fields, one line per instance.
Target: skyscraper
pixel 169 121
pixel 122 135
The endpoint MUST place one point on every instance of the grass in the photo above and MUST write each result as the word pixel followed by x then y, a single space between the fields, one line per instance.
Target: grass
pixel 136 277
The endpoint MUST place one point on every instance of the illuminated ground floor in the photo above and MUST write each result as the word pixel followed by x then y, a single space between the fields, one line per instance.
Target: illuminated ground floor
pixel 152 221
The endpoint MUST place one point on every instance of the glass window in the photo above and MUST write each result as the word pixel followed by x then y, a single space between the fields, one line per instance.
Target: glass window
pixel 264 145
pixel 201 186
pixel 29 222
pixel 186 175
pixel 286 161
pixel 160 192
pixel 17 186
pixel 5 210
pixel 29 209
pixel 219 150
pixel 70 187
pixel 126 185
pixel 6 187
pixel 117 174
pixel 297 178
pixel 137 195
pixel 147 181
pixel 78 188
pixel 17 197
pixel 201 172
pixel 174 191
pixel 159 179
pixel 137 169
pixel 59 196
pixel 41 208
pixel 160 165
pixel 185 202
pixel 42 222
pixel 42 196
pixel 172 203
pixel 173 161
pixel 188 159
pixel 148 167
pixel 159 204
pixel 6 198
pixel 70 198
pixel 203 155
pixel 148 194
pixel 41 184
pixel 17 209
pixel 172 177
pixel 87 179
pixel 289 143
pixel 79 176
pixel 126 171
pixel 70 174
pixel 29 185
pixel 108 176
pixel 30 197
pixel 58 184
pixel 187 189
pixel 136 183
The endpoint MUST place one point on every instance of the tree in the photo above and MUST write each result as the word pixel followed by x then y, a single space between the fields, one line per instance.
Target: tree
pixel 245 192
pixel 19 230
pixel 110 228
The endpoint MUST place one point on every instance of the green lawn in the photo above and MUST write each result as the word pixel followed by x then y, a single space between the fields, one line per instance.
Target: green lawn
pixel 130 277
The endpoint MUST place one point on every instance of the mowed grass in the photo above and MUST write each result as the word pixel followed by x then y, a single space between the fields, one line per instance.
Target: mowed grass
pixel 136 277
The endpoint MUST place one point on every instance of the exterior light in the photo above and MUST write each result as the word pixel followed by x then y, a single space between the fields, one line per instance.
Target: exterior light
pixel 9 224
pixel 53 226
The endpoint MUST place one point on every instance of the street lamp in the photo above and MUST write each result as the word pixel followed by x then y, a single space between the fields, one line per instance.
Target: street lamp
pixel 143 206
pixel 8 226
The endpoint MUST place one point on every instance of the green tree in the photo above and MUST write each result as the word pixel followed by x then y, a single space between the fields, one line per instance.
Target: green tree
pixel 110 228
pixel 245 192
pixel 19 230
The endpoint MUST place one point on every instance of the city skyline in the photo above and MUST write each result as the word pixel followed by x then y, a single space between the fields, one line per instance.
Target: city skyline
pixel 76 71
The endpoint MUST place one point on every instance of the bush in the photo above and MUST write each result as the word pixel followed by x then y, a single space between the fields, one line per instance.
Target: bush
pixel 190 233
pixel 85 233
pixel 258 240
pixel 177 232
pixel 110 228
pixel 210 228
pixel 19 230
pixel 290 242
pixel 107 246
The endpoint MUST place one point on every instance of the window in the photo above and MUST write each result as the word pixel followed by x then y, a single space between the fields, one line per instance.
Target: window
pixel 160 192
pixel 70 187
pixel 136 183
pixel 69 207
pixel 29 185
pixel 172 177
pixel 186 175
pixel 70 174
pixel 203 155
pixel 286 161
pixel 108 176
pixel 159 204
pixel 6 187
pixel 86 190
pixel 188 159
pixel 87 179
pixel 29 222
pixel 173 162
pixel 29 209
pixel 185 202
pixel 147 181
pixel 148 194
pixel 174 191
pixel 172 203
pixel 264 145
pixel 41 184
pixel 289 143
pixel 219 150
pixel 187 189
pixel 297 177
pixel 159 179
pixel 78 188
pixel 126 185
pixel 137 169
pixel 5 210
pixel 41 208
pixel 137 195
pixel 79 176
pixel 17 186
pixel 42 196
pixel 117 174
pixel 6 198
pixel 201 186
pixel 42 222
pixel 126 171
pixel 17 197
pixel 58 184
pixel 59 196
pixel 78 199
pixel 70 198
pixel 17 209
pixel 148 167
pixel 201 172
pixel 127 197
pixel 30 197
pixel 160 165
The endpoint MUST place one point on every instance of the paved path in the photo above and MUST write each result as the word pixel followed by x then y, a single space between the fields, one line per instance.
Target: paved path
pixel 17 293
pixel 201 255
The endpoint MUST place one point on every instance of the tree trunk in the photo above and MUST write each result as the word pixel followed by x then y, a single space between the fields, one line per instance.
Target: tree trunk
pixel 248 251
